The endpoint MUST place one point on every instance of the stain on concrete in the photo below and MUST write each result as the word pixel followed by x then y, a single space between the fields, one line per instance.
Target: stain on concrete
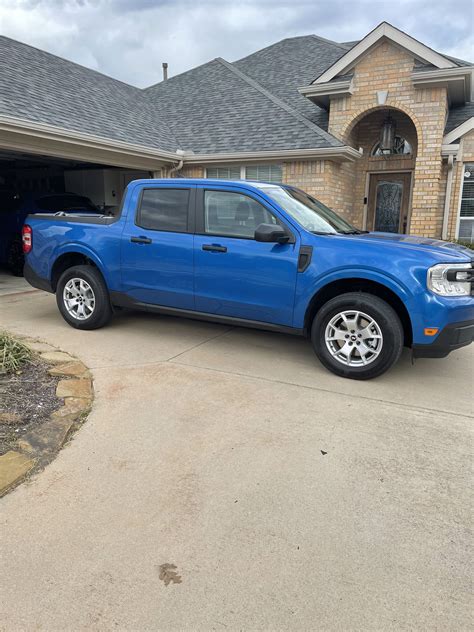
pixel 168 574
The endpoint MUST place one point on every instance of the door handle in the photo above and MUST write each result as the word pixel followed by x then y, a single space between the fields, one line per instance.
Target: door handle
pixel 140 240
pixel 214 248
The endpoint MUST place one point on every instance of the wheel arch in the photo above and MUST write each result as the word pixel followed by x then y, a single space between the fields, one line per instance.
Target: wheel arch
pixel 70 259
pixel 360 284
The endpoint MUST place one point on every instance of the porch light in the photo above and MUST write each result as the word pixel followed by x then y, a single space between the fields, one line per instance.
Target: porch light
pixel 387 136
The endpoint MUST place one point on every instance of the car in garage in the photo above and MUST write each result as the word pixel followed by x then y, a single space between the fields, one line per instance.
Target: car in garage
pixel 14 208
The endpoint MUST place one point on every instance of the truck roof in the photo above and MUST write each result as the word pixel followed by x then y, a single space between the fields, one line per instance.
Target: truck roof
pixel 251 184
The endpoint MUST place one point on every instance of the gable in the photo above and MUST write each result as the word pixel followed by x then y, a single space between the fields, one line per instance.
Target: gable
pixel 418 50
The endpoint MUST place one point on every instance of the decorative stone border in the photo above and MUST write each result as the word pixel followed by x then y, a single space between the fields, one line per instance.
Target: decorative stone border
pixel 38 447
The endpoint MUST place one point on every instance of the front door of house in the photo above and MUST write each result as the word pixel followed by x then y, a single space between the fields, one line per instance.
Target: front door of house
pixel 388 203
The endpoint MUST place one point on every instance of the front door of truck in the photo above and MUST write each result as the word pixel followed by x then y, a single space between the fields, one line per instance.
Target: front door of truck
pixel 157 247
pixel 234 274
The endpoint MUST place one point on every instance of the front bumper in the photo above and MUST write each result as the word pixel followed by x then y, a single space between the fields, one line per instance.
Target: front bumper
pixel 453 336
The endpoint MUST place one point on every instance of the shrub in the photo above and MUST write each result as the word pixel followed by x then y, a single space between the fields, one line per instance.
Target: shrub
pixel 13 353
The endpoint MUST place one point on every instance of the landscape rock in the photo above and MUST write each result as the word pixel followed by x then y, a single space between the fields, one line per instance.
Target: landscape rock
pixel 13 466
pixel 72 369
pixel 74 388
pixel 10 418
pixel 56 356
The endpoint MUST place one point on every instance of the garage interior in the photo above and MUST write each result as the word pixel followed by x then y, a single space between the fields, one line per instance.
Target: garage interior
pixel 23 173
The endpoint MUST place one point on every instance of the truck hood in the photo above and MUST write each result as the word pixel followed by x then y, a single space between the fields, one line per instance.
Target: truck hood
pixel 442 250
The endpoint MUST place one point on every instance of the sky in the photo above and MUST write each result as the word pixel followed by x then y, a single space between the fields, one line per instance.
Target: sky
pixel 129 39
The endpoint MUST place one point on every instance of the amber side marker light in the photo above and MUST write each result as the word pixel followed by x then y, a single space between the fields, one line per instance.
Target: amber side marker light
pixel 431 331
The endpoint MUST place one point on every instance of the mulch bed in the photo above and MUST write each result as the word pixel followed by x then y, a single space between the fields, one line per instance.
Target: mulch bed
pixel 27 399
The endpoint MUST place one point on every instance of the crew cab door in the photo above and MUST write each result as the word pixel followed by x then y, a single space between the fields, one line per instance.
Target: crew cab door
pixel 157 246
pixel 234 275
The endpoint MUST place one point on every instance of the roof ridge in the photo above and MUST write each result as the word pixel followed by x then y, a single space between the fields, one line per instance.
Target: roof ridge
pixel 328 41
pixel 69 61
pixel 163 81
pixel 276 100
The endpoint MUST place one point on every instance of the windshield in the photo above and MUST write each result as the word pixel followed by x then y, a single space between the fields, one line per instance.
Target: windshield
pixel 311 214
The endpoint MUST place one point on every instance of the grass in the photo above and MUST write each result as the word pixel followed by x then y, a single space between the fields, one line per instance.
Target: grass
pixel 13 354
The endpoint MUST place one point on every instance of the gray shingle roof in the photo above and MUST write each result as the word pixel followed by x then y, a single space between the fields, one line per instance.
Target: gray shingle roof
pixel 285 66
pixel 250 105
pixel 457 116
pixel 217 108
pixel 40 87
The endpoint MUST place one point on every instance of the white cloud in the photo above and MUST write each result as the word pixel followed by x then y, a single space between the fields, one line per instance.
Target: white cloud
pixel 128 39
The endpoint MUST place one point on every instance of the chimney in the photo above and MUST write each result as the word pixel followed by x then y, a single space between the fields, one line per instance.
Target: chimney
pixel 165 71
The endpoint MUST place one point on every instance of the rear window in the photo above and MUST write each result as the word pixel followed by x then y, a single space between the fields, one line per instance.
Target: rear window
pixel 164 209
pixel 56 203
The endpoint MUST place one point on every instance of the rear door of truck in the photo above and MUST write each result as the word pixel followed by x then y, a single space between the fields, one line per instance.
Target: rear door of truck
pixel 157 246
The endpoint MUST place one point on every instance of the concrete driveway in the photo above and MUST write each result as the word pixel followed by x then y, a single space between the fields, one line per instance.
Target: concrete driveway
pixel 287 498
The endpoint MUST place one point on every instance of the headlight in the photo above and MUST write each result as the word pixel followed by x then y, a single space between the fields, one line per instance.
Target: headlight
pixel 450 279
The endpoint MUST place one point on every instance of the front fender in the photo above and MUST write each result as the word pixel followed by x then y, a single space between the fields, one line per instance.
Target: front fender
pixel 313 284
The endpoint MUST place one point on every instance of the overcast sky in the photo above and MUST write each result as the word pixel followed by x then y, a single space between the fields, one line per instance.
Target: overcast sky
pixel 128 39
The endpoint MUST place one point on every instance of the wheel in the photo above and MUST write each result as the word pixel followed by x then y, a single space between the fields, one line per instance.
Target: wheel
pixel 357 335
pixel 83 299
pixel 15 257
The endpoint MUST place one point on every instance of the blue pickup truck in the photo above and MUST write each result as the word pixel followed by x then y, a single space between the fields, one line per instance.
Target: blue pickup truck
pixel 259 255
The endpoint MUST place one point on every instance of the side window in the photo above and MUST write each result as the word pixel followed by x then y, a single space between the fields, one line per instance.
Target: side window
pixel 164 209
pixel 233 214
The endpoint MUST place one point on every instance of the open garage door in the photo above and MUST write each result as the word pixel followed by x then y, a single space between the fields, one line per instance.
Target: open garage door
pixel 32 183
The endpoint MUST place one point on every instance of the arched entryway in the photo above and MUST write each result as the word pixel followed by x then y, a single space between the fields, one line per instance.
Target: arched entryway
pixel 384 174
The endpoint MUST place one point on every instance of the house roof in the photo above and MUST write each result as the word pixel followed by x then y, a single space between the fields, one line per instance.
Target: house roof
pixel 39 87
pixel 217 108
pixel 457 116
pixel 252 105
pixel 293 62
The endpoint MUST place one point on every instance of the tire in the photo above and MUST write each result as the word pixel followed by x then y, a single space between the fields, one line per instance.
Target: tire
pixel 368 349
pixel 15 257
pixel 93 310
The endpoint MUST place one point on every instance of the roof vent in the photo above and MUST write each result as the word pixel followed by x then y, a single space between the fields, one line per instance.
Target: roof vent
pixel 165 71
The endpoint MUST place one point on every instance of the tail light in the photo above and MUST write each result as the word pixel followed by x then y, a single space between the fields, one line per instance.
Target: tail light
pixel 27 236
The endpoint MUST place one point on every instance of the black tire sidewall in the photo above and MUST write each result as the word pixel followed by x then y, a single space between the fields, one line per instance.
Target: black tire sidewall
pixel 102 310
pixel 383 314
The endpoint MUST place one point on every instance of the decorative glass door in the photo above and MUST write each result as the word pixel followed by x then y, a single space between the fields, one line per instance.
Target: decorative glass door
pixel 388 202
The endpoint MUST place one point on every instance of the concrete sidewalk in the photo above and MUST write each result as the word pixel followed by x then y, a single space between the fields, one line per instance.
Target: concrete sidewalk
pixel 287 498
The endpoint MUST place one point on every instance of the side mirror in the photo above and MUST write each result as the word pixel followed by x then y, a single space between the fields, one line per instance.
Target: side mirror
pixel 271 233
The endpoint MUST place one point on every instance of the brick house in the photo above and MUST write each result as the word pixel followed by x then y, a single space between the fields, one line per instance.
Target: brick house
pixel 381 130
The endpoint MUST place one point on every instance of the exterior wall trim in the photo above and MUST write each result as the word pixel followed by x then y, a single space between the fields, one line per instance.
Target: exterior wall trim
pixel 459 131
pixel 384 29
pixel 336 154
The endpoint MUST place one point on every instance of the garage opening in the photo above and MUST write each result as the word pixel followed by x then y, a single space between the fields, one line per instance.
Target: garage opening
pixel 32 183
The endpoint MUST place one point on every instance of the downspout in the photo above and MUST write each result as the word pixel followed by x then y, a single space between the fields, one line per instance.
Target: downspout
pixel 447 199
pixel 176 168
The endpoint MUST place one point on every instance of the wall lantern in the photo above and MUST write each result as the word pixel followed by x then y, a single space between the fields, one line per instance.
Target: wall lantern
pixel 387 136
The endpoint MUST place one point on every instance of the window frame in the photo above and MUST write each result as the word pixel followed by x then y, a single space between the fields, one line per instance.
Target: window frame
pixel 243 170
pixel 461 193
pixel 191 209
pixel 200 223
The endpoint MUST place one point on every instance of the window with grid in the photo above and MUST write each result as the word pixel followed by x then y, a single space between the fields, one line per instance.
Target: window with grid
pixel 223 173
pixel 466 215
pixel 267 173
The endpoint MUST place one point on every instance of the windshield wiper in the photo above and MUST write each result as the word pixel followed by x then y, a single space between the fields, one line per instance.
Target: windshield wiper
pixel 356 231
pixel 322 232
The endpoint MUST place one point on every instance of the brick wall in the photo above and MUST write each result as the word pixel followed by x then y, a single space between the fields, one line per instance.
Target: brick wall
pixel 386 67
